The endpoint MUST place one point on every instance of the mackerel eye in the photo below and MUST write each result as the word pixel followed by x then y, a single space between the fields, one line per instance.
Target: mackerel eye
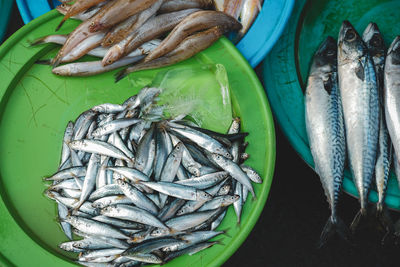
pixel 330 53
pixel 350 35
pixel 376 42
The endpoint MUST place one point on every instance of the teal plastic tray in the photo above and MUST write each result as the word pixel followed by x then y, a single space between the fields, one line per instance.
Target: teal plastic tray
pixel 5 11
pixel 286 68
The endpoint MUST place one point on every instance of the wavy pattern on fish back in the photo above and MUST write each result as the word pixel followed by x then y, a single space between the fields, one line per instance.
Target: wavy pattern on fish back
pixel 371 125
pixel 338 141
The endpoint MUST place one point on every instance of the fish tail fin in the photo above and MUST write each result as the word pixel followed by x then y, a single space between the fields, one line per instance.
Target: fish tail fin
pixel 56 61
pixel 385 220
pixel 219 242
pixel 61 23
pixel 397 231
pixel 331 227
pixel 254 197
pixel 225 232
pixel 43 61
pixel 253 194
pixel 120 75
pixel 238 221
pixel 37 41
pixel 360 216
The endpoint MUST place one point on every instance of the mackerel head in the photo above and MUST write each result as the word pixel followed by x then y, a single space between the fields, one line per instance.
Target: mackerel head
pixel 325 129
pixel 376 46
pixel 359 93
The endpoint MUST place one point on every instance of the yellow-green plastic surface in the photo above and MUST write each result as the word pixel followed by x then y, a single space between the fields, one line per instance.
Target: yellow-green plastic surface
pixel 34 110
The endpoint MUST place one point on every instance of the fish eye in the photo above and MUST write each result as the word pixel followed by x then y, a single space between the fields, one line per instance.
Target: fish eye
pixel 376 42
pixel 350 35
pixel 330 52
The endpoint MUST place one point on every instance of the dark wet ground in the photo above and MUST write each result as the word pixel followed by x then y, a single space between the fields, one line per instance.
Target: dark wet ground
pixel 288 229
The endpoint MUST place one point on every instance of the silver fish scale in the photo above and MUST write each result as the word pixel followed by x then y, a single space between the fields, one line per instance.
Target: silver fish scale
pixel 338 140
pixel 121 186
pixel 361 113
pixel 325 126
pixel 383 161
pixel 373 123
pixel 376 46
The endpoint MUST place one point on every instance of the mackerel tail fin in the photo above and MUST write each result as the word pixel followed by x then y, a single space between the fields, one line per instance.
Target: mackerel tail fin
pixel 360 216
pixel 385 220
pixel 331 227
pixel 397 231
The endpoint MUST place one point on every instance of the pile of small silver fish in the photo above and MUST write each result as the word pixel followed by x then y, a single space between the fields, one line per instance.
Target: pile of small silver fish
pixel 352 103
pixel 139 188
pixel 126 32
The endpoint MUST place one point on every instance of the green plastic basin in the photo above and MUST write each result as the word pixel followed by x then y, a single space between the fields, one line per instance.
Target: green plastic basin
pixel 34 109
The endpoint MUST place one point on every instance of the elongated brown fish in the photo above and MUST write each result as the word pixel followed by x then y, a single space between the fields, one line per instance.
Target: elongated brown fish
pixel 77 36
pixel 116 12
pixel 195 22
pixel 188 48
pixel 78 7
pixel 150 30
pixel 176 5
